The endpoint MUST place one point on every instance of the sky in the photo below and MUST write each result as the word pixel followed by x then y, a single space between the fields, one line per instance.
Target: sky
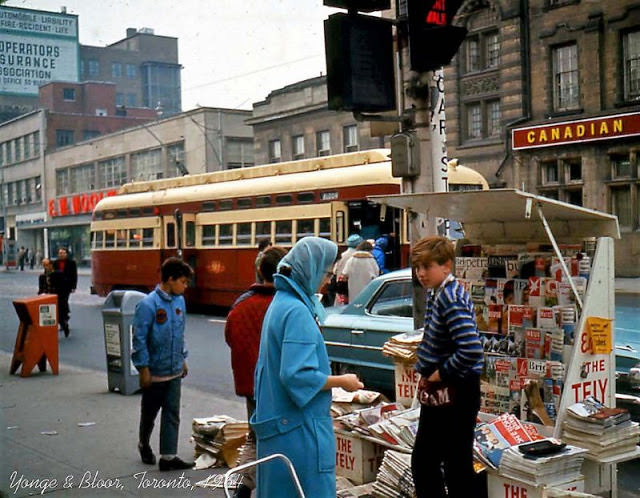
pixel 233 52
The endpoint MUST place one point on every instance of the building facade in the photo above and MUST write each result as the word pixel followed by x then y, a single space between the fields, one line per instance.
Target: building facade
pixel 294 122
pixel 544 95
pixel 38 47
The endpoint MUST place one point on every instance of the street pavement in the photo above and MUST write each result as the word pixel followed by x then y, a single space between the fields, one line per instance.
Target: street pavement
pixel 101 458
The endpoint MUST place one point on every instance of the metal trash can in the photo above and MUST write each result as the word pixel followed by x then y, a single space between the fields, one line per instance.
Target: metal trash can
pixel 117 317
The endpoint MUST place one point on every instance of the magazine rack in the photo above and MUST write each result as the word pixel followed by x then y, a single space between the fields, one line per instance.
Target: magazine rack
pixel 509 216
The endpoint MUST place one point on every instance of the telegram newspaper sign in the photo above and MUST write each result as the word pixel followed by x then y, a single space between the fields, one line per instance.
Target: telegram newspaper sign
pixel 36 47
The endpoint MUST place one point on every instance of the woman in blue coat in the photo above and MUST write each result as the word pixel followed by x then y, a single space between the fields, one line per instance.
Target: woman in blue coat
pixel 293 382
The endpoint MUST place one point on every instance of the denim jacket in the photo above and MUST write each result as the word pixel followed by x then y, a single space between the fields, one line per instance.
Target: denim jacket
pixel 158 341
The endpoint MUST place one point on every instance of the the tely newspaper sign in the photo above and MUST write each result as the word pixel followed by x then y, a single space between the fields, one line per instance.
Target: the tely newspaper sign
pixel 36 47
pixel 583 130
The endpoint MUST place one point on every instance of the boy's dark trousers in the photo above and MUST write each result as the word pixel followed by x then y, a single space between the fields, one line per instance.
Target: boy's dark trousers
pixel 444 442
pixel 165 395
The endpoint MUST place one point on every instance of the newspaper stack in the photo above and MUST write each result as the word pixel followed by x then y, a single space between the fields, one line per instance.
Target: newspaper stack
pixel 343 402
pixel 604 432
pixel 403 347
pixel 556 468
pixel 388 422
pixel 394 478
pixel 218 440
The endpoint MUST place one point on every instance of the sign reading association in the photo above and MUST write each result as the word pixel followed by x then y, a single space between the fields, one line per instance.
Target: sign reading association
pixel 583 130
pixel 36 47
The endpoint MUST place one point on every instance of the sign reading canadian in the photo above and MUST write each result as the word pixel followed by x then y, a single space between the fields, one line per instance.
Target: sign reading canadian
pixel 36 47
pixel 583 130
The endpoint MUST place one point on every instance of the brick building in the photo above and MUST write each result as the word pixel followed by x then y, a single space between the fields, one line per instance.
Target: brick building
pixel 545 95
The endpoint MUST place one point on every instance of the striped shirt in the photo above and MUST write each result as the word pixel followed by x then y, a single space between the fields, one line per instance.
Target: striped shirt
pixel 451 343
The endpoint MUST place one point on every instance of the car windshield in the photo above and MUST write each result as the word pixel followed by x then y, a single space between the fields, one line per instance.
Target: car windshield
pixel 394 299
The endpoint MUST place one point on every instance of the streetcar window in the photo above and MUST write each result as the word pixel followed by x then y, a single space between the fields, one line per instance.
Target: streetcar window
pixel 121 213
pixel 147 237
pixel 134 212
pixel 97 215
pixel 98 239
pixel 263 201
pixel 340 226
pixel 284 199
pixel 110 238
pixel 209 206
pixel 190 234
pixel 324 228
pixel 283 232
pixel 148 211
pixel 263 230
pixel 225 235
pixel 305 228
pixel 208 235
pixel 121 238
pixel 225 205
pixel 305 197
pixel 171 234
pixel 135 237
pixel 244 203
pixel 243 234
pixel 109 215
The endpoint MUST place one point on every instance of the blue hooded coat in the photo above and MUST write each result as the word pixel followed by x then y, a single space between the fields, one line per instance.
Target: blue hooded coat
pixel 379 254
pixel 292 408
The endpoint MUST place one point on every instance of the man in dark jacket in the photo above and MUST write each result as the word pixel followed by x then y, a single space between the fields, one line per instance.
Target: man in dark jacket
pixel 68 280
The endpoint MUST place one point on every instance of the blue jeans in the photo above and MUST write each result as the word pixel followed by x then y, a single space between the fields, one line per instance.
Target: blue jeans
pixel 165 395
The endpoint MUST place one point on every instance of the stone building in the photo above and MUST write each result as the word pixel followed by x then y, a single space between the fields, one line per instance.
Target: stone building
pixel 294 122
pixel 544 95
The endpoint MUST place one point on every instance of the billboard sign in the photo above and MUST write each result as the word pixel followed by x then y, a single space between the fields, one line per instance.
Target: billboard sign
pixel 36 47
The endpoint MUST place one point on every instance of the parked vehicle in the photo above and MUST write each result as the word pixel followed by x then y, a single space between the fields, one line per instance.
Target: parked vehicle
pixel 355 333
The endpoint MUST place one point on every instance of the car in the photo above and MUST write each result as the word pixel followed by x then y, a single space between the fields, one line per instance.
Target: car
pixel 355 333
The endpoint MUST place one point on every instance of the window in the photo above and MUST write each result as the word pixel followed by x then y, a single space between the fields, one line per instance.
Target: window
pixel 116 69
pixel 283 232
pixel 474 121
pixel 175 154
pixel 243 234
pixel 323 143
pixel 64 137
pixel 549 172
pixel 89 134
pixel 305 228
pixel 69 94
pixel 298 146
pixel 350 134
pixel 225 235
pixel 132 100
pixel 574 169
pixel 146 165
pixel 621 205
pixel 275 151
pixel 631 56
pixel 284 199
pixel 119 98
pixel 190 234
pixel 395 299
pixel 263 230
pixel 27 146
pixel 621 167
pixel 171 234
pixel 147 237
pixel 17 149
pixel 132 71
pixel 112 173
pixel 239 153
pixel 325 228
pixel 494 118
pixel 565 78
pixel 62 182
pixel 94 67
pixel 98 240
pixel 82 178
pixel 208 235
pixel 574 196
pixel 36 143
pixel 481 51
pixel 244 203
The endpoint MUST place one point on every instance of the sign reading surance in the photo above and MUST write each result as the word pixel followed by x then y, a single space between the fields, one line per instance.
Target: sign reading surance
pixel 584 130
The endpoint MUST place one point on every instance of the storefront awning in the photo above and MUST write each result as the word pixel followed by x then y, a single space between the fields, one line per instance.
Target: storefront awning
pixel 500 215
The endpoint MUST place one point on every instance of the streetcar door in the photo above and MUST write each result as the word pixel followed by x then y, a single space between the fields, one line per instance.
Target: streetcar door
pixel 188 242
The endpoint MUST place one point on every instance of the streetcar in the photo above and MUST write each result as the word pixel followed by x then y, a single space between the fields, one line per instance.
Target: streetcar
pixel 214 221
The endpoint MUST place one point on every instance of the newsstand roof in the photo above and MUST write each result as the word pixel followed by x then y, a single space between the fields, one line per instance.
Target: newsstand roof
pixel 499 215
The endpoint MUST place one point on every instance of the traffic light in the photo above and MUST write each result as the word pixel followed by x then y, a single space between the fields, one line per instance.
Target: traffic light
pixel 360 65
pixel 433 41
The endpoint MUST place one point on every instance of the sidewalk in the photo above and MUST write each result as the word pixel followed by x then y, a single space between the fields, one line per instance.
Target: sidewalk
pixel 96 460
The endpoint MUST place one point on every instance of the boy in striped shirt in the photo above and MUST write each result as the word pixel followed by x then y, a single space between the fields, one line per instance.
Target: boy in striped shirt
pixel 450 360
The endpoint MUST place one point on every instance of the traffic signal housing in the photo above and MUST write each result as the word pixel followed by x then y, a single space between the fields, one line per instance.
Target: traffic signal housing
pixel 433 41
pixel 360 64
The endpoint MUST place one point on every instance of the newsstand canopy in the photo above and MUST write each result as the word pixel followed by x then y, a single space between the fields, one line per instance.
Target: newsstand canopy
pixel 508 215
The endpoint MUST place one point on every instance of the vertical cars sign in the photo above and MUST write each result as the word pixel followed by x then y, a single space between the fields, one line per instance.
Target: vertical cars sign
pixel 36 47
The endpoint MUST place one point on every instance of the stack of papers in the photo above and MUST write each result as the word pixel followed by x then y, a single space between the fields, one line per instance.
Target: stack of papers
pixel 605 432
pixel 403 347
pixel 394 476
pixel 343 402
pixel 218 440
pixel 389 422
pixel 556 468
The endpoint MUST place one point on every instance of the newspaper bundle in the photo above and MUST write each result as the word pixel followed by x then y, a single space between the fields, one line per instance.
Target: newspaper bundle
pixel 217 440
pixel 403 347
pixel 394 479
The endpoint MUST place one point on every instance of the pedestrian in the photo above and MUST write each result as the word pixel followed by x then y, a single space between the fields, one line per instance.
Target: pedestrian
pixel 262 245
pixel 159 354
pixel 21 256
pixel 450 360
pixel 48 281
pixel 379 253
pixel 339 285
pixel 67 284
pixel 242 334
pixel 294 381
pixel 38 258
pixel 360 269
